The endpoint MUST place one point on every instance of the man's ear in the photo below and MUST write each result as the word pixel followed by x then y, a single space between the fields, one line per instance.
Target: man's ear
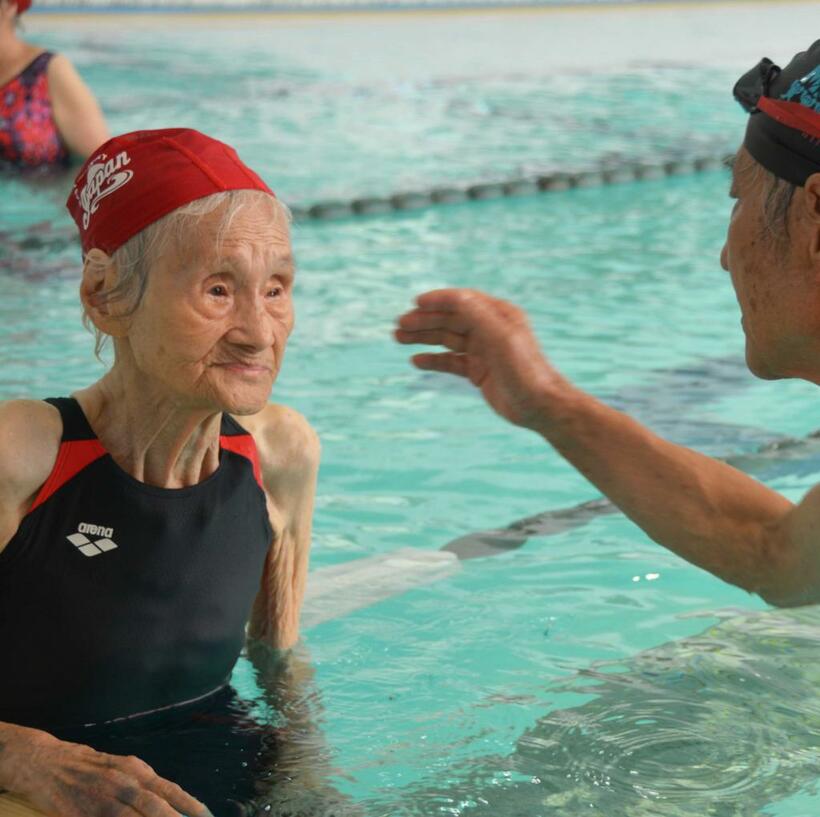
pixel 811 196
pixel 100 278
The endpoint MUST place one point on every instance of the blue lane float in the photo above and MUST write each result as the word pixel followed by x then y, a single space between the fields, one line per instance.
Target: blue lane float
pixel 644 170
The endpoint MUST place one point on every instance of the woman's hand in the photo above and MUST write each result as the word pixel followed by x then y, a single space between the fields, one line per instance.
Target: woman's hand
pixel 491 344
pixel 70 780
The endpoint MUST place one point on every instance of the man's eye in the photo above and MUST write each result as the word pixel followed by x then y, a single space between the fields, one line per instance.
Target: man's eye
pixel 275 292
pixel 219 290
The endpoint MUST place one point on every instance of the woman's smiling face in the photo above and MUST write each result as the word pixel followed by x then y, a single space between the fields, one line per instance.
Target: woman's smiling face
pixel 217 312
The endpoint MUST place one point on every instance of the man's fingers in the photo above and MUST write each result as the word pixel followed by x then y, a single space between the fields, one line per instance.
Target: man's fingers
pixel 434 337
pixel 450 300
pixel 417 320
pixel 446 362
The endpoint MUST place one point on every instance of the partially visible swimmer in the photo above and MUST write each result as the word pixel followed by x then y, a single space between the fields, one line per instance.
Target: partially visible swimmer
pixel 707 512
pixel 157 522
pixel 47 113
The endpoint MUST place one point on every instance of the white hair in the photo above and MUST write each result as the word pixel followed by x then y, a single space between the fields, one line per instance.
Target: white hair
pixel 135 258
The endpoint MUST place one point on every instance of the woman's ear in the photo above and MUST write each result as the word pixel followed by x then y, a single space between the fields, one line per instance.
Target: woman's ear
pixel 100 280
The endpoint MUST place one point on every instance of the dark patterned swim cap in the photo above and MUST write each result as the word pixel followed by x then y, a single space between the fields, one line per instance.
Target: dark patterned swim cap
pixel 783 132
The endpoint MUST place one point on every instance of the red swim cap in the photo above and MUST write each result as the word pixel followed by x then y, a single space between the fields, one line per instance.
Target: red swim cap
pixel 133 180
pixel 23 5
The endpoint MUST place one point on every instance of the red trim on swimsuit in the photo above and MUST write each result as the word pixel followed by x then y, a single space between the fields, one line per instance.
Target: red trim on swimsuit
pixel 72 457
pixel 75 455
pixel 245 446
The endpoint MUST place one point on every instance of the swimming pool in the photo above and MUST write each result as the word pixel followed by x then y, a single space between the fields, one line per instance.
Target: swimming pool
pixel 570 675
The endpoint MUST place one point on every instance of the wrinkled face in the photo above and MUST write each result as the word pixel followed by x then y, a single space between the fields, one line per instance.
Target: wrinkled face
pixel 777 296
pixel 213 324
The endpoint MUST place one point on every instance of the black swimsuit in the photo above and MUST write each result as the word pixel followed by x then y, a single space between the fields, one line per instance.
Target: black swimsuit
pixel 118 598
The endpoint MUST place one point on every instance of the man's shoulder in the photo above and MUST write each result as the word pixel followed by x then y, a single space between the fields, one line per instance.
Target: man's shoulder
pixel 287 443
pixel 30 432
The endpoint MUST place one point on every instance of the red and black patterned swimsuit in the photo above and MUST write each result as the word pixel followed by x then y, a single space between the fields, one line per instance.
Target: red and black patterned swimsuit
pixel 28 132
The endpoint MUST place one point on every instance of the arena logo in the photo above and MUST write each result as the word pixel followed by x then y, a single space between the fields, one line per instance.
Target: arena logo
pixel 95 530
pixel 88 548
pixel 102 178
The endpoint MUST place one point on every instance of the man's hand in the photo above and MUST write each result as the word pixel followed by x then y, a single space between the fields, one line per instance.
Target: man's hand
pixel 69 780
pixel 491 344
pixel 704 510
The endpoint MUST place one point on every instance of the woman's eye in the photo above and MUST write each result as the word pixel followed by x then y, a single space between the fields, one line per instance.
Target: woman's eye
pixel 275 292
pixel 219 291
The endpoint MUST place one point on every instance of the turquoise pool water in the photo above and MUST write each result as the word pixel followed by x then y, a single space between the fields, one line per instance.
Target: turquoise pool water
pixel 586 672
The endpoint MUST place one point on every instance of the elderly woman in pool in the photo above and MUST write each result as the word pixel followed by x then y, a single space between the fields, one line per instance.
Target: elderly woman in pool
pixel 145 520
pixel 47 113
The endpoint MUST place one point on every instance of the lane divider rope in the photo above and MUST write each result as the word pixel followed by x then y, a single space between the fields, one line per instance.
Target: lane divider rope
pixel 510 188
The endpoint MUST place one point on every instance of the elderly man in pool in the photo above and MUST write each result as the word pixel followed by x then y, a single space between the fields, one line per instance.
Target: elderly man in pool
pixel 147 519
pixel 707 512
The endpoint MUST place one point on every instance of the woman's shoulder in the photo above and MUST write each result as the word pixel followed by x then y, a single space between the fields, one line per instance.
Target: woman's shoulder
pixel 58 65
pixel 284 439
pixel 30 433
pixel 31 425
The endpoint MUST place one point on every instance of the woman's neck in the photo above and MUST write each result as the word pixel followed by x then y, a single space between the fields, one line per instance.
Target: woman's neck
pixel 12 48
pixel 150 433
pixel 14 54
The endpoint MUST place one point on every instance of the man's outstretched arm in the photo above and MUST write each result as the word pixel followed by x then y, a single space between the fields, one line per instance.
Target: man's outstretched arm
pixel 705 511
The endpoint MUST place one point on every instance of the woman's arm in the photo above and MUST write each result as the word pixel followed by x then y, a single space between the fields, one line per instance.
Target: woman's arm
pixel 78 116
pixel 289 452
pixel 30 432
pixel 299 755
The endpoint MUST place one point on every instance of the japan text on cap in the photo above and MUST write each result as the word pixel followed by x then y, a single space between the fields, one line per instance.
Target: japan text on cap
pixel 135 179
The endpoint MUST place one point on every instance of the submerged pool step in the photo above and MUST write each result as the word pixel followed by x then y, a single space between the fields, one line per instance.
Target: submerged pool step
pixel 607 174
pixel 336 591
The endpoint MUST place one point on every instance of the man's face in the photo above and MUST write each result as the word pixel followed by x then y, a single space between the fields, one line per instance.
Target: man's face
pixel 777 296
pixel 215 318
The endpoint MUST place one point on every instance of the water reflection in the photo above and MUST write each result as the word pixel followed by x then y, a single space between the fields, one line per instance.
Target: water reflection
pixel 723 723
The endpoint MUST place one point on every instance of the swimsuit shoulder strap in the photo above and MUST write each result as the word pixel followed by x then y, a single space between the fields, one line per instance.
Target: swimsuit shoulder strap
pixel 32 70
pixel 39 64
pixel 231 428
pixel 79 448
pixel 75 423
pixel 233 437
